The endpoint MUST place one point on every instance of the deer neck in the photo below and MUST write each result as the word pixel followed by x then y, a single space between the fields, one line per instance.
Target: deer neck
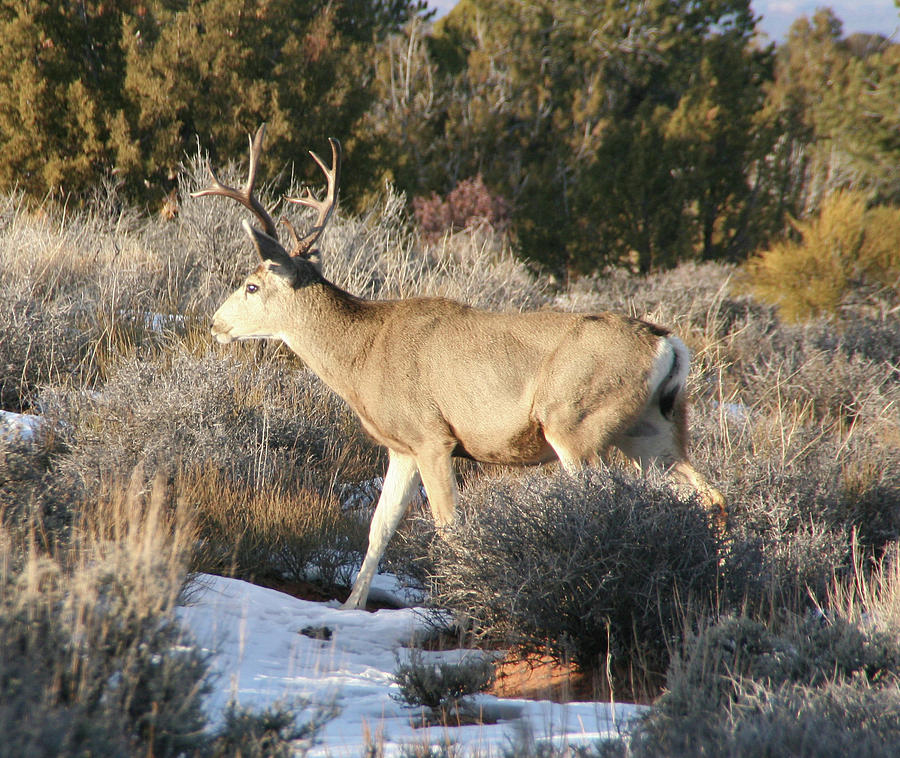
pixel 330 331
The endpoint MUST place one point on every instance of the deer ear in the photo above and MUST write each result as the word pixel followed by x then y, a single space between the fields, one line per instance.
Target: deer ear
pixel 270 250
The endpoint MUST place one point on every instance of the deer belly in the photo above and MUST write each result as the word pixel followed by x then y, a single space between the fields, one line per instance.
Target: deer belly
pixel 526 445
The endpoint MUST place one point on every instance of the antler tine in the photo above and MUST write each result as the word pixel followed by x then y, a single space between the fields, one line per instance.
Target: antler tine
pixel 245 196
pixel 325 206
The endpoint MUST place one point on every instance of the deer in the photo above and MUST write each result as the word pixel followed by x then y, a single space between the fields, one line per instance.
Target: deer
pixel 432 379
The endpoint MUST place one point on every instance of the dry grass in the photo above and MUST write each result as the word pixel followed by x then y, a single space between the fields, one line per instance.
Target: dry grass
pixel 870 595
pixel 92 658
pixel 284 532
pixel 823 684
pixel 87 662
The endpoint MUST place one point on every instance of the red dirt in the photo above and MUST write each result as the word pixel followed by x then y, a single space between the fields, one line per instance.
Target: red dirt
pixel 541 679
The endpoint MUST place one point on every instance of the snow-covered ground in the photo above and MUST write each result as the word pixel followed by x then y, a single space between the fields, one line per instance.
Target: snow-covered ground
pixel 260 656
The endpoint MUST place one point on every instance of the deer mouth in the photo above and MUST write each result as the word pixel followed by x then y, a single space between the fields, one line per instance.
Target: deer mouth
pixel 225 338
pixel 222 337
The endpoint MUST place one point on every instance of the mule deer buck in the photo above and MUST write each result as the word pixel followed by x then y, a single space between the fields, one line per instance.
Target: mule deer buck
pixel 431 378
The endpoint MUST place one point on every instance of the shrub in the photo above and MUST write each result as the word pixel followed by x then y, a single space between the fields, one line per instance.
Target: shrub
pixel 805 432
pixel 818 372
pixel 469 204
pixel 378 256
pixel 255 446
pixel 253 418
pixel 792 721
pixel 441 688
pixel 848 256
pixel 272 733
pixel 84 289
pixel 808 651
pixel 91 658
pixel 38 344
pixel 743 688
pixel 578 567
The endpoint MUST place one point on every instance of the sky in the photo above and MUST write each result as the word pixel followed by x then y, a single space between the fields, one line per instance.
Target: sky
pixel 879 16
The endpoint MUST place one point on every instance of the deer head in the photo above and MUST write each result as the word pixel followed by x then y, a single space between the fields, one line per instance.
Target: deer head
pixel 253 310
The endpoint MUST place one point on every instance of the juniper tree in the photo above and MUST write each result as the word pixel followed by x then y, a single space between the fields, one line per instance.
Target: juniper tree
pixel 617 130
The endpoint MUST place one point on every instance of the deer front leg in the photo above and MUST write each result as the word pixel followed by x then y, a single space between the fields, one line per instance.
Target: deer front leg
pixel 400 484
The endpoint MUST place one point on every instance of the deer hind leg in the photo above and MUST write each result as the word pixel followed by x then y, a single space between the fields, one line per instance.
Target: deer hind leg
pixel 436 469
pixel 400 484
pixel 579 441
pixel 570 460
pixel 656 439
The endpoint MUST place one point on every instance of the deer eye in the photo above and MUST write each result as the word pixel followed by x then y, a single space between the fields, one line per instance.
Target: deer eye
pixel 251 288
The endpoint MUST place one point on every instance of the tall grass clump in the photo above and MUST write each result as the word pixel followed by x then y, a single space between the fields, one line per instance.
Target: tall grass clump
pixel 92 660
pixel 824 684
pixel 286 532
pixel 256 446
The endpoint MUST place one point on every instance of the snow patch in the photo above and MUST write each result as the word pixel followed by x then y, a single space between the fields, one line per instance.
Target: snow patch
pixel 259 656
pixel 19 427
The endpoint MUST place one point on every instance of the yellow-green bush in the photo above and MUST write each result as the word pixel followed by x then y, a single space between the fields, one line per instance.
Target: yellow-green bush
pixel 849 255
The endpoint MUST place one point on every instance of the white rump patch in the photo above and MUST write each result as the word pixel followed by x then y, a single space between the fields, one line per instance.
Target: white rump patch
pixel 670 366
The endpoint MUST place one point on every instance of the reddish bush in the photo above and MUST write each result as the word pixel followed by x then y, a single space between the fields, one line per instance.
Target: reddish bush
pixel 470 204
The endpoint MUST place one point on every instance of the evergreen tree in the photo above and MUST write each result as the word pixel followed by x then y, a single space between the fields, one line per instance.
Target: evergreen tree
pixel 836 98
pixel 61 77
pixel 91 87
pixel 217 68
pixel 618 130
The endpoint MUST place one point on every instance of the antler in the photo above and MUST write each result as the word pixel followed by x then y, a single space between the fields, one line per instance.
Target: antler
pixel 245 196
pixel 325 207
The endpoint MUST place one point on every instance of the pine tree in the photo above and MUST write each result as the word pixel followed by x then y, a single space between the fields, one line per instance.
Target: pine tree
pixel 216 69
pixel 88 88
pixel 836 99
